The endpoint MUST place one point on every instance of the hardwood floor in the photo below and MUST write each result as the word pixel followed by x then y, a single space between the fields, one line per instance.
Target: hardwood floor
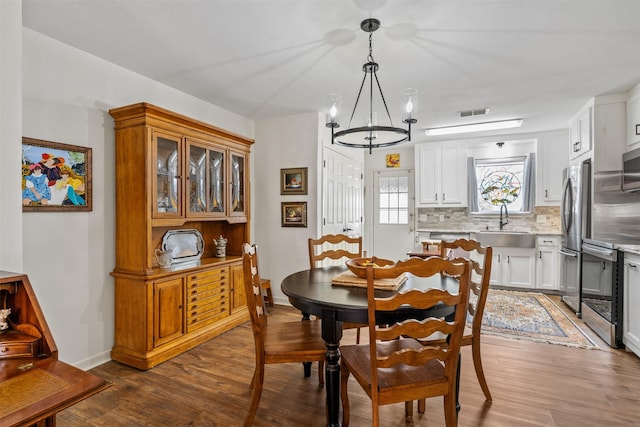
pixel 532 384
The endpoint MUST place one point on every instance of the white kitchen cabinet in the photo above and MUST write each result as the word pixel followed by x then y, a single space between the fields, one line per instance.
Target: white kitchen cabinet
pixel 552 159
pixel 631 297
pixel 609 132
pixel 547 261
pixel 599 132
pixel 580 131
pixel 441 174
pixel 513 267
pixel 633 118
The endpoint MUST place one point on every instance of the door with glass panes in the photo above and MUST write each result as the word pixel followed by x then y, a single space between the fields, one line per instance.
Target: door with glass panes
pixel 393 206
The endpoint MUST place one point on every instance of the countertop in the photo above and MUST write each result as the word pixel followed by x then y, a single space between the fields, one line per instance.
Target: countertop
pixel 632 249
pixel 458 231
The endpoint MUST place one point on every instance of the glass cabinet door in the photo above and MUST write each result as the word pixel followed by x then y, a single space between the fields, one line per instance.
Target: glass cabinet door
pixel 238 182
pixel 197 179
pixel 205 181
pixel 167 191
pixel 217 178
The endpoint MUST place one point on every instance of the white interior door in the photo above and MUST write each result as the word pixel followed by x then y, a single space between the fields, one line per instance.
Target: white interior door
pixel 342 196
pixel 393 212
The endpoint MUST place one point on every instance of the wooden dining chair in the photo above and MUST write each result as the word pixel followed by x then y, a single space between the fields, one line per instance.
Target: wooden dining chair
pixel 282 342
pixel 335 249
pixel 481 257
pixel 396 366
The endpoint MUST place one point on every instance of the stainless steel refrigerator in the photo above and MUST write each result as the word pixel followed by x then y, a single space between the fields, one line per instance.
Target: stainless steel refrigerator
pixel 575 212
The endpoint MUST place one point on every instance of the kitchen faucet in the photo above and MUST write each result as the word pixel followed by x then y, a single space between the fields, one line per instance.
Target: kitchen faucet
pixel 506 216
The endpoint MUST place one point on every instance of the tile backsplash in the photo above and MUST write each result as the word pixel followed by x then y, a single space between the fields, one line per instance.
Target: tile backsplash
pixel 544 220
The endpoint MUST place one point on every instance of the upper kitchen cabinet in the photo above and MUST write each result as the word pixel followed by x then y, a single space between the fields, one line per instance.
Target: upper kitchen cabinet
pixel 552 159
pixel 580 131
pixel 607 118
pixel 633 118
pixel 441 174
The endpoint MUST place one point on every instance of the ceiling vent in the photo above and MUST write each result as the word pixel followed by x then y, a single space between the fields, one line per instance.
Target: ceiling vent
pixel 471 113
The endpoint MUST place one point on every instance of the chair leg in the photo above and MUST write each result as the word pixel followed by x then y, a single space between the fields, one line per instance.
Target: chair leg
pixel 307 369
pixel 477 363
pixel 357 335
pixel 408 411
pixel 421 405
pixel 450 413
pixel 321 373
pixel 256 392
pixel 344 395
pixel 253 379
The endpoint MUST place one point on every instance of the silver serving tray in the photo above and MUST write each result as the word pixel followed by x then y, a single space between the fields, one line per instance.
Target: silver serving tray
pixel 185 245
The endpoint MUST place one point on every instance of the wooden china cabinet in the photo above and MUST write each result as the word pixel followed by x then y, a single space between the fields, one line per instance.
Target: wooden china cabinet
pixel 175 174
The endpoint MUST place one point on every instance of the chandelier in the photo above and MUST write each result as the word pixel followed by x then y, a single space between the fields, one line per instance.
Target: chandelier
pixel 371 135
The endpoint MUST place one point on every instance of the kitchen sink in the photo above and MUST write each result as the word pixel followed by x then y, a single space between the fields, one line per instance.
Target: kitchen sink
pixel 512 239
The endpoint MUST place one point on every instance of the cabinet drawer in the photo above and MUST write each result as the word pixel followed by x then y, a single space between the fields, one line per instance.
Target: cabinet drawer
pixel 207 276
pixel 548 241
pixel 208 292
pixel 208 287
pixel 18 345
pixel 205 304
pixel 207 318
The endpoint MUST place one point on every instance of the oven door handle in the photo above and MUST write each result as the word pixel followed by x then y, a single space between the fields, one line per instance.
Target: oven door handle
pixel 561 252
pixel 601 253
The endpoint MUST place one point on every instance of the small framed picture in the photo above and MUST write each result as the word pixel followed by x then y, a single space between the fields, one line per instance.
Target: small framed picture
pixel 393 160
pixel 637 129
pixel 294 214
pixel 293 181
pixel 55 177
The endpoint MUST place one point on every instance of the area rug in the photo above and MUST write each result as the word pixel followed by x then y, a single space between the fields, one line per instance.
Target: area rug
pixel 531 316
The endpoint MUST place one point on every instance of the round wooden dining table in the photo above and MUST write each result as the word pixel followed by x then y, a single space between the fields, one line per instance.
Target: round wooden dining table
pixel 312 292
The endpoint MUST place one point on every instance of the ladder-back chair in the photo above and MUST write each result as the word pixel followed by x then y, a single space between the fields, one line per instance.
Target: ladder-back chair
pixel 335 249
pixel 396 366
pixel 276 342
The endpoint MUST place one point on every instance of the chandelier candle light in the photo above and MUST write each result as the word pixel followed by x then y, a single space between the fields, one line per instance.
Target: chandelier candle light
pixel 371 135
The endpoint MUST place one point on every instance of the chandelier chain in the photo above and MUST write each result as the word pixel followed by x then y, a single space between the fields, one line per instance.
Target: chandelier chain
pixel 371 135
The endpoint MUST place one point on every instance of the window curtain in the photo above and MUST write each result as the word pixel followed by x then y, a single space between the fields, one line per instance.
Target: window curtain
pixel 529 190
pixel 472 185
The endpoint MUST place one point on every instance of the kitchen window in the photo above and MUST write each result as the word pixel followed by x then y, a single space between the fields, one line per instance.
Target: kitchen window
pixel 501 181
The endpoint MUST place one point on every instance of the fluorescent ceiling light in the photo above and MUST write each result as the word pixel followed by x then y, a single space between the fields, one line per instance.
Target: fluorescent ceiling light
pixel 474 127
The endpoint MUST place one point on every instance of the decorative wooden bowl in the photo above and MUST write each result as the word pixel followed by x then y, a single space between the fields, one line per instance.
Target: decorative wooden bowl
pixel 358 266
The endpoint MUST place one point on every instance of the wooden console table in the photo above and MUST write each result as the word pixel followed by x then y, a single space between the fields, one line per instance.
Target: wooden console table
pixel 34 384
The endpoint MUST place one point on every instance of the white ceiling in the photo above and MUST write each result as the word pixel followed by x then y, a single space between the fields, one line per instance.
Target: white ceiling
pixel 537 60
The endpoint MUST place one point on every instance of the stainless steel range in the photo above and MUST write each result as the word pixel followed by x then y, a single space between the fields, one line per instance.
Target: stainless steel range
pixel 602 285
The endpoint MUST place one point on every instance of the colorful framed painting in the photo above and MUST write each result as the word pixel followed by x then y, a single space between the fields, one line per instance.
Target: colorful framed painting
pixel 393 160
pixel 56 177
pixel 294 214
pixel 293 181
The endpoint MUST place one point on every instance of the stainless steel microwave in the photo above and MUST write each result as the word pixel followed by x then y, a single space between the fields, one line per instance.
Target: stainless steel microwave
pixel 631 169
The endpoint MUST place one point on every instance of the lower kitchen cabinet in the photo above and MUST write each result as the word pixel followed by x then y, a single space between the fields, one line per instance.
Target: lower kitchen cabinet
pixel 513 267
pixel 168 312
pixel 547 262
pixel 631 296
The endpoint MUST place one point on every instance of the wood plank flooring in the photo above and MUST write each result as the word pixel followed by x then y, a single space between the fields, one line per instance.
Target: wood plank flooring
pixel 532 385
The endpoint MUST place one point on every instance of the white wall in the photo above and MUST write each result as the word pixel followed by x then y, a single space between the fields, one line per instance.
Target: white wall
pixel 288 142
pixel 68 256
pixel 10 135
